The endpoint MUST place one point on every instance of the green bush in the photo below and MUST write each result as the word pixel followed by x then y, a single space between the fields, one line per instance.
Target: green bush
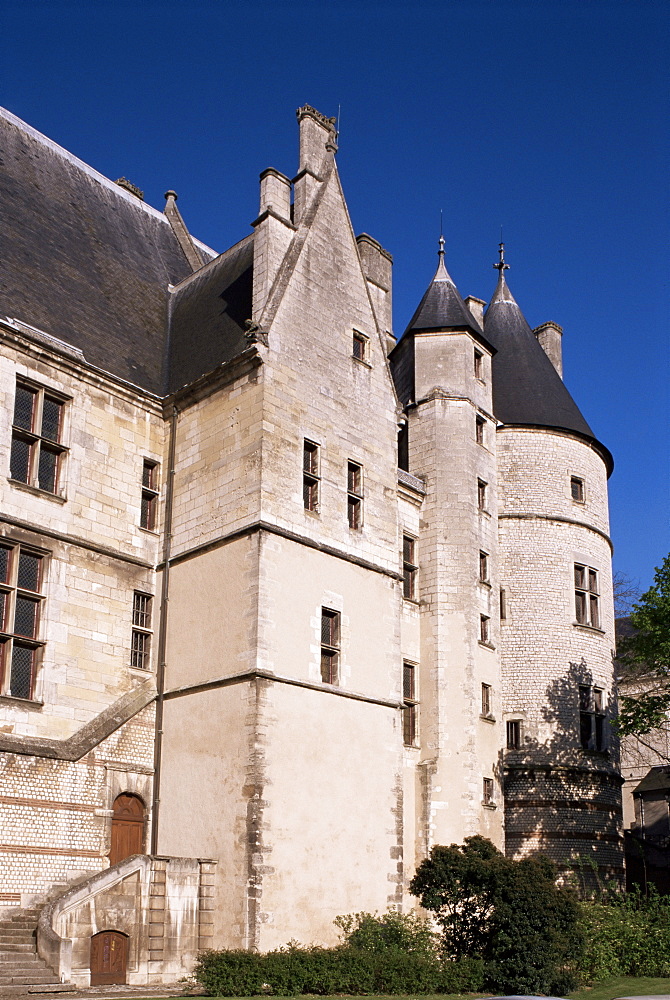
pixel 629 936
pixel 404 931
pixel 230 973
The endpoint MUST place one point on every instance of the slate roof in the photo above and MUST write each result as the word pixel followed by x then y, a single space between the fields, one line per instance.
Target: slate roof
pixel 442 306
pixel 208 313
pixel 527 389
pixel 82 259
pixel 657 779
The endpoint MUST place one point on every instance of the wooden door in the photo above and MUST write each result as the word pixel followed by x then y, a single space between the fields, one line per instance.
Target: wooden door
pixel 127 828
pixel 109 955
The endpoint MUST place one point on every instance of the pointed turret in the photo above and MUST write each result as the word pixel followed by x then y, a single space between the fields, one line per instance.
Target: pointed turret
pixel 527 389
pixel 442 307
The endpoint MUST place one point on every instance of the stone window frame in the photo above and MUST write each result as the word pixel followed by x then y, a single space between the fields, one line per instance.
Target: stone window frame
pixel 15 588
pixel 513 734
pixel 142 631
pixel 485 631
pixel 37 435
pixel 482 495
pixel 478 364
pixel 355 495
pixel 486 711
pixel 410 568
pixel 360 348
pixel 484 575
pixel 578 489
pixel 150 492
pixel 410 711
pixel 480 423
pixel 311 475
pixel 331 645
pixel 587 596
pixel 592 716
pixel 488 790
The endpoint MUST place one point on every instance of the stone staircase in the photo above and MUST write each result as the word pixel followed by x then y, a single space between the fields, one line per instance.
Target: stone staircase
pixel 22 971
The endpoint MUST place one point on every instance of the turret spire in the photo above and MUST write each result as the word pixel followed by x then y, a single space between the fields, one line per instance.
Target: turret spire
pixel 501 265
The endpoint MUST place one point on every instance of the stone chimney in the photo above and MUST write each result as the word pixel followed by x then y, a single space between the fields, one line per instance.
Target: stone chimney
pixel 476 307
pixel 550 337
pixel 377 265
pixel 273 233
pixel 318 142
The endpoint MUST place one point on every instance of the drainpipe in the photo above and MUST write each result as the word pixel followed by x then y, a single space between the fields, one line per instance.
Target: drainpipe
pixel 162 631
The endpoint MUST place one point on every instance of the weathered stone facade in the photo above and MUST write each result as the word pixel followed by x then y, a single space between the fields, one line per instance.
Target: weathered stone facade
pixel 295 659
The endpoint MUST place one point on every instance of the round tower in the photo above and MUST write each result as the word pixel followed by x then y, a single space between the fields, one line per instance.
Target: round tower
pixel 560 764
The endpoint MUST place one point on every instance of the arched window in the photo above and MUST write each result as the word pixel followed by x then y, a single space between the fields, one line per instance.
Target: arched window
pixel 127 828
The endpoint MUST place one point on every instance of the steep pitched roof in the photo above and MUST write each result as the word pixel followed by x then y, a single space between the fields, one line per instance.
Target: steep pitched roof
pixel 83 259
pixel 527 389
pixel 208 313
pixel 442 307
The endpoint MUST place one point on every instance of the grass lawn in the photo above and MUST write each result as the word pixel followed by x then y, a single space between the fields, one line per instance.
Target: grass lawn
pixel 625 986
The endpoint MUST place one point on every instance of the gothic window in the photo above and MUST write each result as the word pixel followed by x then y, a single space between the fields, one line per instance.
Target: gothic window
pixel 355 495
pixel 21 601
pixel 410 703
pixel 587 596
pixel 140 647
pixel 310 476
pixel 37 432
pixel 149 508
pixel 330 646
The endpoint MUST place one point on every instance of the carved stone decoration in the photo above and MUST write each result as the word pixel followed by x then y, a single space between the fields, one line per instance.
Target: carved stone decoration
pixel 254 334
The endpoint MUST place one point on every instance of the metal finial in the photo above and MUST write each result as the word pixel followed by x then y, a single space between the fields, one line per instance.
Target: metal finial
pixel 501 265
pixel 440 252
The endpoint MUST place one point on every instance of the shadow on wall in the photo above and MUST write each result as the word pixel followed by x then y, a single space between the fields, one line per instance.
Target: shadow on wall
pixel 563 794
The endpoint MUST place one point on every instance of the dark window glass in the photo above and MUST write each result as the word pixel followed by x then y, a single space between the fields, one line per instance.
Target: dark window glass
pixel 29 571
pixel 142 610
pixel 23 662
pixel 51 419
pixel 577 489
pixel 19 463
pixel 3 610
pixel 4 564
pixel 139 653
pixel 47 470
pixel 24 407
pixel 25 617
pixel 513 734
pixel 329 662
pixel 310 458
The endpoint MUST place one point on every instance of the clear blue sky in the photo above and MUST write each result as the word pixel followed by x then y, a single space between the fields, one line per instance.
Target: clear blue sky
pixel 549 117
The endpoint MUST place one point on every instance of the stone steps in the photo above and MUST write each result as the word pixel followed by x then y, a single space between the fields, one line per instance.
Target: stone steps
pixel 21 968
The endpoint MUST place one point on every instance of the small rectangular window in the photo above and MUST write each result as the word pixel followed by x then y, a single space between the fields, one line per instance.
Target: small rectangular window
pixel 140 647
pixel 486 700
pixel 310 476
pixel 483 567
pixel 355 495
pixel 484 631
pixel 149 506
pixel 37 451
pixel 487 791
pixel 577 489
pixel 360 346
pixel 587 598
pixel 479 429
pixel 411 708
pixel 513 728
pixel 410 568
pixel 479 364
pixel 330 646
pixel 481 494
pixel 21 606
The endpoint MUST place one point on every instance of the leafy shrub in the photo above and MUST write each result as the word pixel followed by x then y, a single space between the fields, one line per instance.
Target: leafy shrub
pixel 230 973
pixel 629 936
pixel 403 931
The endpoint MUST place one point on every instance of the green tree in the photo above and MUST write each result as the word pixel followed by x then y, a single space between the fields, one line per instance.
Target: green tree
pixel 644 656
pixel 508 913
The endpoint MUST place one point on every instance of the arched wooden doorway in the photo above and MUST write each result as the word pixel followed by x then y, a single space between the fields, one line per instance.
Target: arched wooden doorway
pixel 127 828
pixel 109 956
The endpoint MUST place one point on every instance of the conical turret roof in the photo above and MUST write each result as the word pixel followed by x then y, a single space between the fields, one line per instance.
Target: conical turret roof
pixel 442 307
pixel 527 389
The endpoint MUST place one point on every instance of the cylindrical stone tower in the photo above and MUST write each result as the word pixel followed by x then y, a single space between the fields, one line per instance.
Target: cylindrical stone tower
pixel 560 765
